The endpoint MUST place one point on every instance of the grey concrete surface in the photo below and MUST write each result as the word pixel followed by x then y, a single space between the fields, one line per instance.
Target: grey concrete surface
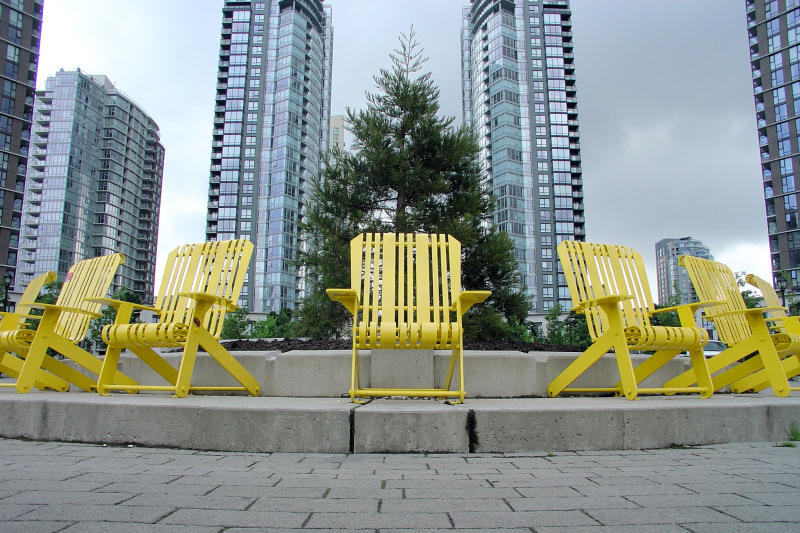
pixel 69 488
pixel 334 425
pixel 326 373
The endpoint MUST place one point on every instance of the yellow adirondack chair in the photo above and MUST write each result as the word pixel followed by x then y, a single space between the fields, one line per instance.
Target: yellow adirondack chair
pixel 15 324
pixel 744 330
pixel 201 282
pixel 779 322
pixel 61 327
pixel 406 294
pixel 608 284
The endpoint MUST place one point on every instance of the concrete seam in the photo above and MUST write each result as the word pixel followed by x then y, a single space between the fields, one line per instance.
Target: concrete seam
pixel 353 429
pixel 472 434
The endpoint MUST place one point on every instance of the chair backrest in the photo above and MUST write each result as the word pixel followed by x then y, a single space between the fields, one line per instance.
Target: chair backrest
pixel 595 270
pixel 714 281
pixel 769 295
pixel 33 289
pixel 406 278
pixel 89 278
pixel 216 268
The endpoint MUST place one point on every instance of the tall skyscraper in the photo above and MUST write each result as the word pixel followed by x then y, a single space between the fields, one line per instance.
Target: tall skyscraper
pixel 337 132
pixel 94 182
pixel 773 27
pixel 518 78
pixel 20 34
pixel 674 279
pixel 270 125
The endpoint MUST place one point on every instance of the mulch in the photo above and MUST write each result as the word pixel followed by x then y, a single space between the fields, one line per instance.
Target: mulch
pixel 285 345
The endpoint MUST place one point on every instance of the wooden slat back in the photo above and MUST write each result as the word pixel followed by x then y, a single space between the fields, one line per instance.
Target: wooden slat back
pixel 33 289
pixel 715 281
pixel 595 270
pixel 89 278
pixel 216 268
pixel 768 293
pixel 405 278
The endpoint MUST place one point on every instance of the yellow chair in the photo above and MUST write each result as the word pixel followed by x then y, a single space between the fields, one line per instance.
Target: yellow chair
pixel 406 294
pixel 608 284
pixel 745 331
pixel 201 282
pixel 61 327
pixel 779 322
pixel 18 319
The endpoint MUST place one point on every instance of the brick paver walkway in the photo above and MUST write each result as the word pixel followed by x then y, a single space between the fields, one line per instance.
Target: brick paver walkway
pixel 49 486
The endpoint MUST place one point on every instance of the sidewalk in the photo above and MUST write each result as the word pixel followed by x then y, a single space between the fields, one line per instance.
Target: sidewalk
pixel 51 486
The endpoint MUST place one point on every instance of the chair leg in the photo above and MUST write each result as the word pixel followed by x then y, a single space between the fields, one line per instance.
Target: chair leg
pixel 355 374
pixel 579 366
pixel 229 363
pixel 108 369
pixel 183 383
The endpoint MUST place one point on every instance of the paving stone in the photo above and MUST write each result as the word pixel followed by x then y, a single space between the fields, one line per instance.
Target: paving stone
pixel 27 526
pixel 691 500
pixel 316 505
pixel 192 501
pixel 519 519
pixel 749 527
pixel 104 527
pixel 664 515
pixel 378 520
pixel 269 492
pixel 760 513
pixel 107 513
pixel 658 528
pixel 567 504
pixel 442 505
pixel 155 488
pixel 203 517
pixel 56 497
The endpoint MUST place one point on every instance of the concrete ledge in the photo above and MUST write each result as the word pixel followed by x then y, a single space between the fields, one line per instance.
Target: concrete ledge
pixel 499 374
pixel 327 425
pixel 223 423
pixel 402 426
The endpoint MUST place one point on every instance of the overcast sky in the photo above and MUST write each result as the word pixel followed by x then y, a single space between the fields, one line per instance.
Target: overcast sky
pixel 665 104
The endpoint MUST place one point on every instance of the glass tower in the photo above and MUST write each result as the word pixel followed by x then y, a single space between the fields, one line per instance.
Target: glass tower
pixel 672 278
pixel 20 34
pixel 271 124
pixel 94 182
pixel 518 79
pixel 773 27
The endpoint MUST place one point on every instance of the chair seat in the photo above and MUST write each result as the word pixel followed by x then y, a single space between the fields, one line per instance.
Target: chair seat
pixel 421 336
pixel 17 339
pixel 665 337
pixel 158 334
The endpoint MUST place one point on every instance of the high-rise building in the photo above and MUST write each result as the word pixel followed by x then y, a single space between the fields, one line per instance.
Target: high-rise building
pixel 337 132
pixel 271 124
pixel 519 95
pixel 94 182
pixel 673 280
pixel 20 34
pixel 773 27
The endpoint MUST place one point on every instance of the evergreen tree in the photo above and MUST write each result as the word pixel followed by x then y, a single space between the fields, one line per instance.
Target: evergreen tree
pixel 236 325
pixel 411 171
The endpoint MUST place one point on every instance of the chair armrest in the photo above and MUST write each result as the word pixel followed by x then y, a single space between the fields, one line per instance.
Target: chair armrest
pixel 116 304
pixel 749 311
pixel 469 298
pixel 603 300
pixel 124 309
pixel 346 297
pixel 210 298
pixel 694 306
pixel 62 308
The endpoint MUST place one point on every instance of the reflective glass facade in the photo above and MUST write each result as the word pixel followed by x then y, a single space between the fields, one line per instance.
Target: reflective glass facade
pixel 20 34
pixel 271 123
pixel 773 28
pixel 519 94
pixel 94 182
pixel 672 278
